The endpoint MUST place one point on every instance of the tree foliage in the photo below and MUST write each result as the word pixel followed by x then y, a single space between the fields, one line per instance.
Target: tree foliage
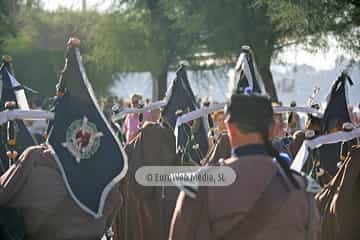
pixel 154 35
pixel 222 27
pixel 7 17
pixel 197 31
pixel 309 21
pixel 38 48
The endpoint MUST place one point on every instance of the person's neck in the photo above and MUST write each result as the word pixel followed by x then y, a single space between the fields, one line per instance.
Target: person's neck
pixel 248 139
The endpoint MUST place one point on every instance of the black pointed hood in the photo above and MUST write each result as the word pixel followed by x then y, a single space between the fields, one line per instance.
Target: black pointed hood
pixel 13 91
pixel 86 149
pixel 246 76
pixel 336 111
pixel 181 97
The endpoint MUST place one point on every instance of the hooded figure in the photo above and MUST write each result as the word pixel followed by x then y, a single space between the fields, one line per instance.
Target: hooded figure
pixel 266 201
pixel 335 115
pixel 12 91
pixel 69 188
pixel 191 140
pixel 246 78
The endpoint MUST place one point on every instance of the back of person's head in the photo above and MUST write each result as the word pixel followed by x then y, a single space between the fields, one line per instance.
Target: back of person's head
pixel 298 139
pixel 254 114
pixel 250 113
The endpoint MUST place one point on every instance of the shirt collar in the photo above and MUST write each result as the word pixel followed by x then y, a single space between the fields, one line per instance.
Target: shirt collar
pixel 250 149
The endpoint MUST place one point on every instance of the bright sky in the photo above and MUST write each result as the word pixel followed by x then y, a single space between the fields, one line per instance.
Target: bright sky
pixel 76 4
pixel 322 60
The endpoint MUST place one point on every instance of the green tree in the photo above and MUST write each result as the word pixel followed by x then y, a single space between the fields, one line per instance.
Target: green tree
pixel 7 12
pixel 141 36
pixel 267 26
pixel 309 21
pixel 223 26
pixel 154 35
pixel 38 48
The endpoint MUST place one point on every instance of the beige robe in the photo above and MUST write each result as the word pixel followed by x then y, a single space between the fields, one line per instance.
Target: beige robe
pixel 218 210
pixel 34 185
pixel 147 211
pixel 339 201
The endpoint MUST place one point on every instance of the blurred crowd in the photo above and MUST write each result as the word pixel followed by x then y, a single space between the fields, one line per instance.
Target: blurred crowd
pixel 285 124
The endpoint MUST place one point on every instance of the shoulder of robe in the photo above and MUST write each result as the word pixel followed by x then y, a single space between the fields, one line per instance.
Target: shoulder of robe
pixel 31 153
pixel 256 162
pixel 29 157
pixel 192 190
pixel 307 183
pixel 36 154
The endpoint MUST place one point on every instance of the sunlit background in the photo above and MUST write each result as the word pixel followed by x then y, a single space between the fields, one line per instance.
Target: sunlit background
pixel 296 71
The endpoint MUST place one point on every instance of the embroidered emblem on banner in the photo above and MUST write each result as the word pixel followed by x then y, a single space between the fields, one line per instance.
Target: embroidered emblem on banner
pixel 82 139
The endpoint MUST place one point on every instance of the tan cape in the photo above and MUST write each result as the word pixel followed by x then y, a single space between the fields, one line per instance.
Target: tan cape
pixel 339 201
pixel 214 213
pixel 34 185
pixel 147 211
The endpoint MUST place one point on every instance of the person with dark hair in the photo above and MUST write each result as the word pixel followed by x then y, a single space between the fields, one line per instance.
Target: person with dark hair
pixel 266 201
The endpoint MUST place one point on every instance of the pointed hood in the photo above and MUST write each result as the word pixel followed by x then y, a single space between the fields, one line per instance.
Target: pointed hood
pixel 13 91
pixel 85 147
pixel 336 107
pixel 180 97
pixel 246 77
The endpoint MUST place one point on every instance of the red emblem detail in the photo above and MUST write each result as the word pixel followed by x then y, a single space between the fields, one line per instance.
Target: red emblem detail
pixel 83 139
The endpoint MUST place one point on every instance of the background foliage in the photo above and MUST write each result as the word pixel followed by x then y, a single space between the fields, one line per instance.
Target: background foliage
pixel 154 35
